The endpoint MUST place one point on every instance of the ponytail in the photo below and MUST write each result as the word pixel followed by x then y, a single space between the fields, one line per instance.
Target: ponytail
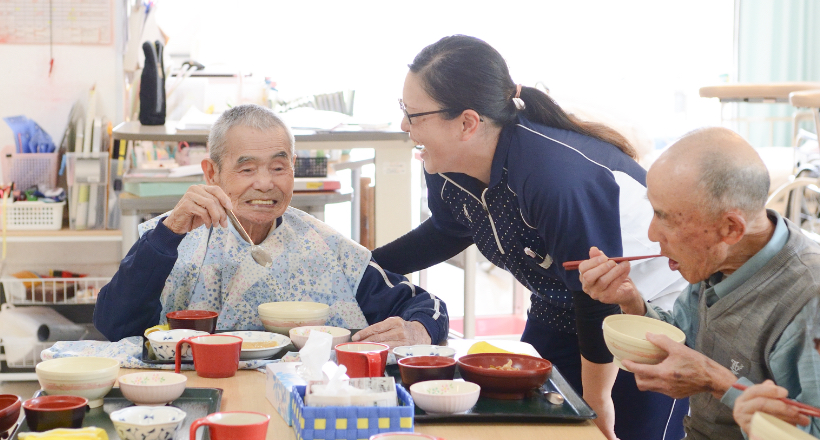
pixel 541 109
pixel 461 72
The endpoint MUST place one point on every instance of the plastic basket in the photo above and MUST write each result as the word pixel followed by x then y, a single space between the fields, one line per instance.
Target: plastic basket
pixel 311 167
pixel 43 291
pixel 31 359
pixel 29 169
pixel 33 216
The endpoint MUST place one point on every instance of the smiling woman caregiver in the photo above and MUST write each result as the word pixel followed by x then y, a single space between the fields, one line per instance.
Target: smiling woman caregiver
pixel 532 187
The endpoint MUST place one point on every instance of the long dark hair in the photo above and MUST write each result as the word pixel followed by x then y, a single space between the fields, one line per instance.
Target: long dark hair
pixel 462 72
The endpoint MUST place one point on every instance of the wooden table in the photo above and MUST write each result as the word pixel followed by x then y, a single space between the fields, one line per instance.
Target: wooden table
pixel 245 392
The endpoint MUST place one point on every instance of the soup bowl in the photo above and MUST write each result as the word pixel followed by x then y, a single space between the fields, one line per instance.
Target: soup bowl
pixel 10 405
pixel 88 377
pixel 50 412
pixel 420 368
pixel 154 388
pixel 201 320
pixel 445 396
pixel 280 317
pixel 489 370
pixel 148 423
pixel 625 336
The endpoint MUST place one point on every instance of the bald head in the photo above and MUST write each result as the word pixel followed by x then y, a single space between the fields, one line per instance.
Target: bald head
pixel 725 170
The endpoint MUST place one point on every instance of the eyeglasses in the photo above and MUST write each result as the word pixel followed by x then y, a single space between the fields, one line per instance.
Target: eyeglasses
pixel 410 116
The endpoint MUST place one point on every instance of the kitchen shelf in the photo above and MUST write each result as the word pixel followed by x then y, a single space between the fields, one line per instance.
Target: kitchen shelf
pixel 63 235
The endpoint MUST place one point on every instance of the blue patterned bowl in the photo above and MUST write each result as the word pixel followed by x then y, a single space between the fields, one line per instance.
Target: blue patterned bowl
pixel 148 422
pixel 164 343
pixel 423 350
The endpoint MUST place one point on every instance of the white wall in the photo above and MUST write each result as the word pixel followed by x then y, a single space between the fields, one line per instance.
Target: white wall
pixel 27 89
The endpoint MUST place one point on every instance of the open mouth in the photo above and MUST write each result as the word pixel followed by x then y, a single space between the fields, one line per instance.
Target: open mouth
pixel 261 202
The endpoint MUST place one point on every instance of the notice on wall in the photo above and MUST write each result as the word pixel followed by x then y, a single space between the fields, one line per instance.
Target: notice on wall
pixel 56 22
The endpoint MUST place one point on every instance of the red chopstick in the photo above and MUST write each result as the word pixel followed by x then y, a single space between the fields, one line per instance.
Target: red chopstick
pixel 801 407
pixel 573 265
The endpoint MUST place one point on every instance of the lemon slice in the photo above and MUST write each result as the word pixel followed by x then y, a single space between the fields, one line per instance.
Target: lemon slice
pixel 485 347
pixel 156 328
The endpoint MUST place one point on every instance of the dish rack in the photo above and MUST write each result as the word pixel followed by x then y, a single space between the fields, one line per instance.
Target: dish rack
pixel 42 292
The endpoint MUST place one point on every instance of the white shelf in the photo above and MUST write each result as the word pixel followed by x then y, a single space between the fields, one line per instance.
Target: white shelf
pixel 62 236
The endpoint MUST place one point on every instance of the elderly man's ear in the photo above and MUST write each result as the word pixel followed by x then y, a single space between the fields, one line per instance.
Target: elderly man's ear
pixel 209 170
pixel 733 227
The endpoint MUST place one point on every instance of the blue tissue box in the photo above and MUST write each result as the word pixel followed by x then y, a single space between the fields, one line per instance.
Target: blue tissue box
pixel 349 422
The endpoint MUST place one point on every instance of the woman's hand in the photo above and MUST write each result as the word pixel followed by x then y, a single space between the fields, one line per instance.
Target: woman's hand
pixel 764 397
pixel 394 332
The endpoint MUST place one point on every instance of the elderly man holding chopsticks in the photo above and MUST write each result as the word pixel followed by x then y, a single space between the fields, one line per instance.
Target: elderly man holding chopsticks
pixel 753 276
pixel 193 258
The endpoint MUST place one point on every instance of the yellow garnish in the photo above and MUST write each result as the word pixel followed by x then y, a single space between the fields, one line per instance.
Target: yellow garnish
pixel 90 433
pixel 485 347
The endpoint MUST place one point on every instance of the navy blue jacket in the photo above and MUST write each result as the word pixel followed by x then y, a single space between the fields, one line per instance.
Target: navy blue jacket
pixel 552 195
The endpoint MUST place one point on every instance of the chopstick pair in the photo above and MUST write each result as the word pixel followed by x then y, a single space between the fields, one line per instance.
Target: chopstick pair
pixel 801 407
pixel 573 265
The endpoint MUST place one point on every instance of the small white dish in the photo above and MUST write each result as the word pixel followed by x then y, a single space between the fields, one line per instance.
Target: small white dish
pixel 445 396
pixel 164 343
pixel 299 335
pixel 261 345
pixel 152 388
pixel 423 350
pixel 148 422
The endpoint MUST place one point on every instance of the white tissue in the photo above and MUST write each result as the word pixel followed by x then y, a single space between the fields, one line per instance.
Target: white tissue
pixel 314 355
pixel 24 329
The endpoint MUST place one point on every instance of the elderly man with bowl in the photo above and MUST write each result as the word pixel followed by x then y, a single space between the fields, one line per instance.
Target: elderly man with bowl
pixel 753 275
pixel 193 257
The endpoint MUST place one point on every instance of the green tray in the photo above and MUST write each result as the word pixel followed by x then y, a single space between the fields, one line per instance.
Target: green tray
pixel 196 402
pixel 533 408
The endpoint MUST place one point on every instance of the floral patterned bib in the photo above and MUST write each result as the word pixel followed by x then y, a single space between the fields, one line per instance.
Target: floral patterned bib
pixel 311 262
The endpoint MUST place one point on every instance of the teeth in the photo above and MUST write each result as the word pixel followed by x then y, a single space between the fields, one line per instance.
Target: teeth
pixel 261 202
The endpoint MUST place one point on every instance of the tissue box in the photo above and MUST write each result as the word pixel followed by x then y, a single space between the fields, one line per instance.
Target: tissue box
pixel 280 379
pixel 349 422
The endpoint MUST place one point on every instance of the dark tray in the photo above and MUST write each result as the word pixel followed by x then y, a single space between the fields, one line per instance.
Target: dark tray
pixel 148 357
pixel 533 408
pixel 196 402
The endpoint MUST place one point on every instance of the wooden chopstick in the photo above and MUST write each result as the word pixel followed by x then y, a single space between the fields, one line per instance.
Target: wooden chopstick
pixel 573 265
pixel 801 407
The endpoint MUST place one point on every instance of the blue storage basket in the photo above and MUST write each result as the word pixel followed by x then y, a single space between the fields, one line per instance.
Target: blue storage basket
pixel 350 422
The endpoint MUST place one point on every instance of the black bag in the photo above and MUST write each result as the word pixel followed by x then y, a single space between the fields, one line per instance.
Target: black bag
pixel 152 85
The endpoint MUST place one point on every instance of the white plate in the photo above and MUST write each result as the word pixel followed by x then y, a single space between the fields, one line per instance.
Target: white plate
pixel 257 336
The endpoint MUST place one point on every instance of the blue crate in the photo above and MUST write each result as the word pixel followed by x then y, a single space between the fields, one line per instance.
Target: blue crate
pixel 349 422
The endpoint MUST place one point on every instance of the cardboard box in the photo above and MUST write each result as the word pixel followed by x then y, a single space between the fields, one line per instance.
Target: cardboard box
pixel 349 422
pixel 280 379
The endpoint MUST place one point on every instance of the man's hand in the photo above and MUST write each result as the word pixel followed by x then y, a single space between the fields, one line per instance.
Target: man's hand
pixel 763 397
pixel 394 332
pixel 608 282
pixel 200 205
pixel 682 373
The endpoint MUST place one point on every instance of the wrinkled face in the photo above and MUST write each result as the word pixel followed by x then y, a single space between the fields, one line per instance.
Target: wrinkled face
pixel 688 237
pixel 257 174
pixel 435 133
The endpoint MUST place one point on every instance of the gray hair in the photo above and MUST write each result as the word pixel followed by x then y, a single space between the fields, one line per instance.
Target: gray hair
pixel 730 184
pixel 246 115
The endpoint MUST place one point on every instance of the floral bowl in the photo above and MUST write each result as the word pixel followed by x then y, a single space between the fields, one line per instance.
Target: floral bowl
pixel 152 388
